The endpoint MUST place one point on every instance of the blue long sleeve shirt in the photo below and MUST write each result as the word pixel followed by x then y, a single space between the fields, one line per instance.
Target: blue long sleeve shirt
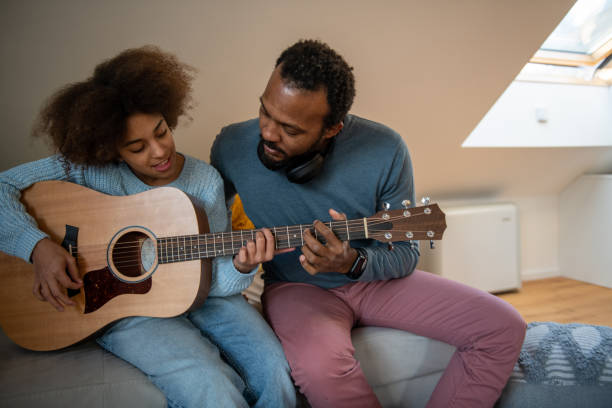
pixel 20 234
pixel 368 166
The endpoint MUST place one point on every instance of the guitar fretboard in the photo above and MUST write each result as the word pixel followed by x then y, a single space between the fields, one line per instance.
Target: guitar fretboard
pixel 191 247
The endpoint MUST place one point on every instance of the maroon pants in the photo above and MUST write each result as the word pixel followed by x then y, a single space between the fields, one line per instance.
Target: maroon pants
pixel 314 327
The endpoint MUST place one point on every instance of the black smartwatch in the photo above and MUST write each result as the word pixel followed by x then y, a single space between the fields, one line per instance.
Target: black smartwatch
pixel 359 265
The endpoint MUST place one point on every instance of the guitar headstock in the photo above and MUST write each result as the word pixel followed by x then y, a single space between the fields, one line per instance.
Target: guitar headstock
pixel 427 222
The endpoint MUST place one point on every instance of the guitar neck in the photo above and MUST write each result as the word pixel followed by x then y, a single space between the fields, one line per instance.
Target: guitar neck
pixel 191 247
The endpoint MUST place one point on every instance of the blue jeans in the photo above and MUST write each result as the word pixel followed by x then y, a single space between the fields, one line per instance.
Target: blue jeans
pixel 223 355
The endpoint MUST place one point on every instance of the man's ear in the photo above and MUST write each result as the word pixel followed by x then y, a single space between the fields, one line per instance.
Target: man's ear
pixel 333 130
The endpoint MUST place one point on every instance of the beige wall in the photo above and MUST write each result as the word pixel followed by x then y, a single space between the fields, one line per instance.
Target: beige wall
pixel 429 69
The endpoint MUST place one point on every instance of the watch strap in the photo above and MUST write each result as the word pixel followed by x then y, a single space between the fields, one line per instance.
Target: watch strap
pixel 359 265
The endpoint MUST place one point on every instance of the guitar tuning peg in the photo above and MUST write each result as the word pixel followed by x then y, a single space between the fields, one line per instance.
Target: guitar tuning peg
pixel 432 245
pixel 406 204
pixel 390 246
pixel 425 200
pixel 386 206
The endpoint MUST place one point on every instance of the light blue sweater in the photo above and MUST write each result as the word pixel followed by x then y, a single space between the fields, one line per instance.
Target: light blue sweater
pixel 19 233
pixel 368 166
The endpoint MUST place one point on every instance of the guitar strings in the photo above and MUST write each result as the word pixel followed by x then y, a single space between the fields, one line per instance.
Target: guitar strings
pixel 222 237
pixel 231 236
pixel 125 253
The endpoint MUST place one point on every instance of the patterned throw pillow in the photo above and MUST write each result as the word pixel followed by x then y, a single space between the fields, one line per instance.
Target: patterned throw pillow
pixel 562 365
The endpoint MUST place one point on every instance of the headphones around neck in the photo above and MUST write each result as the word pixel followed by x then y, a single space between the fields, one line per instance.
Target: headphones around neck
pixel 300 169
pixel 305 170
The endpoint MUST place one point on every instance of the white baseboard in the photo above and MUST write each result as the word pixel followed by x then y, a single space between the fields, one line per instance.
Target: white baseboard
pixel 539 273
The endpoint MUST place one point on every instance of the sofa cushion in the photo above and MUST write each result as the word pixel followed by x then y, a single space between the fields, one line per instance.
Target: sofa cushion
pixel 402 368
pixel 84 375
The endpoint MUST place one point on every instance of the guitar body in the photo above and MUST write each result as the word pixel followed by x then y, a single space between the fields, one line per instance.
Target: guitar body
pixel 111 233
pixel 147 254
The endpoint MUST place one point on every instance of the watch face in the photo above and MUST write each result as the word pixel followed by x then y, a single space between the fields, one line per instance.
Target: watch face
pixel 359 265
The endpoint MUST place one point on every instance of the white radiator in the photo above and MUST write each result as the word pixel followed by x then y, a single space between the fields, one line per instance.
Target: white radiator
pixel 480 247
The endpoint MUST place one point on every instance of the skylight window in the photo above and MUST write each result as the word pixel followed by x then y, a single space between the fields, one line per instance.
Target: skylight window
pixel 585 29
pixel 582 41
pixel 539 109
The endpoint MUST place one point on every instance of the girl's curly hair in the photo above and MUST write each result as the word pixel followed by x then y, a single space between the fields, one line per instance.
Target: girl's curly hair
pixel 86 121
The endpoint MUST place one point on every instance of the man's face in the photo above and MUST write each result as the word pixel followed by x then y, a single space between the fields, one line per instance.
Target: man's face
pixel 291 120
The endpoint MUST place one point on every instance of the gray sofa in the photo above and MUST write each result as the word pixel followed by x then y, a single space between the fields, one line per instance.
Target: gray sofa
pixel 566 365
pixel 402 368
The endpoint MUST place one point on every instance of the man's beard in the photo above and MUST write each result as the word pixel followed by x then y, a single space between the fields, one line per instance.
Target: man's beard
pixel 288 162
pixel 265 160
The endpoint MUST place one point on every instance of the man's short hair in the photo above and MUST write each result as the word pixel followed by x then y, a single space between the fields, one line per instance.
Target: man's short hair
pixel 312 65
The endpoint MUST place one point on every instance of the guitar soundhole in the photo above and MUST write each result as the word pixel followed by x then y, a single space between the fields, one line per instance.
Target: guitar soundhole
pixel 133 254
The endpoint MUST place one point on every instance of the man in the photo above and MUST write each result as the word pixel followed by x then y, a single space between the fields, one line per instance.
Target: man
pixel 305 157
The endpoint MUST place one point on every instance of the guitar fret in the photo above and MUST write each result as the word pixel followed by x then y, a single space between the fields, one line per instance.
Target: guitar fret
pixel 171 242
pixel 169 250
pixel 166 250
pixel 187 247
pixel 160 249
pixel 183 250
pixel 177 255
pixel 178 249
pixel 168 255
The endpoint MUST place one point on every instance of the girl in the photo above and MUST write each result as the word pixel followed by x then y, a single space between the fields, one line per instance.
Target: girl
pixel 113 134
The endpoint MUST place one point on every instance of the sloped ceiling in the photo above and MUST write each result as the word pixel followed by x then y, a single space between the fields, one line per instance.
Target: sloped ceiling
pixel 431 70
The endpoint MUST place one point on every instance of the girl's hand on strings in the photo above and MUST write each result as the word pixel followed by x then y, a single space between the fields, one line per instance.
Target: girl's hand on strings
pixel 261 249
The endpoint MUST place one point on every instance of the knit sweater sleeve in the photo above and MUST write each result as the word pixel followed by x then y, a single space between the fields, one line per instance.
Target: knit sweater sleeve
pixel 20 234
pixel 206 186
pixel 399 185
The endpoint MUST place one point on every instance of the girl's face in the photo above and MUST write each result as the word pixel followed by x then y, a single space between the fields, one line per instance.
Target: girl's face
pixel 148 148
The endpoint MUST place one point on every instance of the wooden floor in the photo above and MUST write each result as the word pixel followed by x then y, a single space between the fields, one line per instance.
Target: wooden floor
pixel 562 300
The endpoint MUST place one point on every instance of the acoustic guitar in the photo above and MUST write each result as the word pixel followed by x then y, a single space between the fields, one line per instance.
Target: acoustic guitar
pixel 147 254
